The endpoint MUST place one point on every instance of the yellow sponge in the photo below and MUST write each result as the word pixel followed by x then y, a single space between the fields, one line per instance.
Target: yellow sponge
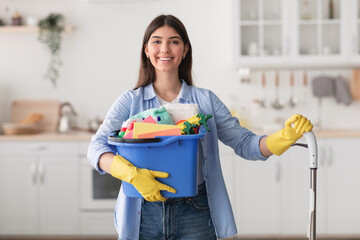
pixel 141 128
pixel 167 132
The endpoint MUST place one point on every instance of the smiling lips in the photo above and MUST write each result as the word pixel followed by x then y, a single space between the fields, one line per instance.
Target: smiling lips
pixel 165 59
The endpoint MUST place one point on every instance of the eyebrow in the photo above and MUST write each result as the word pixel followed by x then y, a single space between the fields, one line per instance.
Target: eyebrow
pixel 173 37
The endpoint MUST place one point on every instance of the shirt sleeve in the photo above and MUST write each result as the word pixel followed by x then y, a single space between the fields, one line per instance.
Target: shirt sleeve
pixel 117 114
pixel 245 143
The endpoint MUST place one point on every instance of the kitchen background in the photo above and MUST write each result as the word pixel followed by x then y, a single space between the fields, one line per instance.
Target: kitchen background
pixel 101 60
pixel 240 49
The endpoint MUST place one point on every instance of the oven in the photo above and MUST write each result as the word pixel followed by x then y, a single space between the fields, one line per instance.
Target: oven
pixel 98 192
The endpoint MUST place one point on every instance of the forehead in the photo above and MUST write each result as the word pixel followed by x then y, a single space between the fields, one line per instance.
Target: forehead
pixel 165 32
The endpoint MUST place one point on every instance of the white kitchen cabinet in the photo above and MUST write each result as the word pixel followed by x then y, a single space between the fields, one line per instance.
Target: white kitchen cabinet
pixel 341 191
pixel 261 31
pixel 338 209
pixel 258 196
pixel 39 188
pixel 296 32
pixel 296 187
pixel 272 197
pixel 227 158
pixel 353 43
pixel 18 195
pixel 98 223
pixel 254 190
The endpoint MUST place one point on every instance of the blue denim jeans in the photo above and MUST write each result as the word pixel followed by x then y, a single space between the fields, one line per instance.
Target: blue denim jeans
pixel 177 219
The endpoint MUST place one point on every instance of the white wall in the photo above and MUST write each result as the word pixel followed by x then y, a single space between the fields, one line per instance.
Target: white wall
pixel 101 57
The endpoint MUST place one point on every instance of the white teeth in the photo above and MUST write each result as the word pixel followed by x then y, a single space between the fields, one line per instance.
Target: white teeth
pixel 165 59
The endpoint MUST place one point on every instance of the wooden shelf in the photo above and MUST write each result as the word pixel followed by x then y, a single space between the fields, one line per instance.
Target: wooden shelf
pixel 15 29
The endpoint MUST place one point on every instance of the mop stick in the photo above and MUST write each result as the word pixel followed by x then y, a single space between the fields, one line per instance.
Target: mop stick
pixel 312 145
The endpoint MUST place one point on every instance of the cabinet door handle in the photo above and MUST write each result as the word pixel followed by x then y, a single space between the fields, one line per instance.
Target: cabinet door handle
pixel 33 170
pixel 41 172
pixel 40 148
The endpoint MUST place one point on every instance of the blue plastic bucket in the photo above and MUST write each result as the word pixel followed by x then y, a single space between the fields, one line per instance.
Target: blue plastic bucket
pixel 176 155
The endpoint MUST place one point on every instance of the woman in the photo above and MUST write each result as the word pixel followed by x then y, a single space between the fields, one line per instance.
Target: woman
pixel 165 76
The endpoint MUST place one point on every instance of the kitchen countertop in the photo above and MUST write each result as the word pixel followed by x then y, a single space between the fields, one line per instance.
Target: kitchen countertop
pixel 84 136
pixel 49 136
pixel 324 133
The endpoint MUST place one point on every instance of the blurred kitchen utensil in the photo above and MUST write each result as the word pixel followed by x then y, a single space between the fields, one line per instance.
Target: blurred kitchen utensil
pixel 264 102
pixel 67 120
pixel 278 103
pixel 20 129
pixel 305 80
pixel 49 109
pixel 355 84
pixel 342 91
pixel 323 86
pixel 305 91
pixel 293 100
pixel 94 124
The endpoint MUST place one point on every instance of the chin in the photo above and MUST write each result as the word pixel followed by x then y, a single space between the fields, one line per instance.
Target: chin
pixel 164 69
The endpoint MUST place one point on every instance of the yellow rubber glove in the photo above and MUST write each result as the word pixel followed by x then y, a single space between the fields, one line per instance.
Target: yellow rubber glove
pixel 282 140
pixel 142 179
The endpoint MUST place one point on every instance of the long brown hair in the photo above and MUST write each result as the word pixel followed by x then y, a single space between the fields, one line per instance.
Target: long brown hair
pixel 147 70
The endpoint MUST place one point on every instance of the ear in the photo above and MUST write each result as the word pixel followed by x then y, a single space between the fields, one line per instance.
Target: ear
pixel 146 51
pixel 186 49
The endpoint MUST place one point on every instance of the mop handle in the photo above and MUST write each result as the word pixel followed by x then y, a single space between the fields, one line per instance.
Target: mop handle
pixel 312 145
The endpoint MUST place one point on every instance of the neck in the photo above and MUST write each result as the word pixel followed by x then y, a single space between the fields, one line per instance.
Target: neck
pixel 167 86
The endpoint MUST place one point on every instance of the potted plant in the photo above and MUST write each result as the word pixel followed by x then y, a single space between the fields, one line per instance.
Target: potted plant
pixel 50 30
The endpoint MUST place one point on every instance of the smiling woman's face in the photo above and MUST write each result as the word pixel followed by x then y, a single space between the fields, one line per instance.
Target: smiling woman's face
pixel 165 49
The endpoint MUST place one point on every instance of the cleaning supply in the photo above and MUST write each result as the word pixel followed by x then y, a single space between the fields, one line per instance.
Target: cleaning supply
pixel 166 132
pixel 142 179
pixel 160 115
pixel 282 140
pixel 125 126
pixel 153 115
pixel 175 155
pixel 180 111
pixel 141 128
pixel 189 126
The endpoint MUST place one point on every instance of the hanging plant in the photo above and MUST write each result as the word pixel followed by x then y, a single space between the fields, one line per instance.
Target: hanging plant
pixel 50 30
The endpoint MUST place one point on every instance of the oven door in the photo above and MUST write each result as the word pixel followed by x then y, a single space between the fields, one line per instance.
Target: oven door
pixel 97 191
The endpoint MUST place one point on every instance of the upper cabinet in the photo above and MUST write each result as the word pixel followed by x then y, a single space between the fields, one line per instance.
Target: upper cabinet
pixel 319 27
pixel 261 29
pixel 296 32
pixel 354 42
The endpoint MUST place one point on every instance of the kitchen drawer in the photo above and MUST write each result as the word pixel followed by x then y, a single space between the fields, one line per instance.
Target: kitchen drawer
pixel 39 148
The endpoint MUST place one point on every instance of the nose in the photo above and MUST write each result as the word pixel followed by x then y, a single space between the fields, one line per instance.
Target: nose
pixel 165 48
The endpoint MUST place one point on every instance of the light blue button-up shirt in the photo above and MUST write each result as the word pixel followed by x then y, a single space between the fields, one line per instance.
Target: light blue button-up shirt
pixel 222 126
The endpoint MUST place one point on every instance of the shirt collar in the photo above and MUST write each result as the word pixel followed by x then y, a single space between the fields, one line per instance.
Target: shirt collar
pixel 185 93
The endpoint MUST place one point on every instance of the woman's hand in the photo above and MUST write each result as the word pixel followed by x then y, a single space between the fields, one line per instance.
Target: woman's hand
pixel 282 140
